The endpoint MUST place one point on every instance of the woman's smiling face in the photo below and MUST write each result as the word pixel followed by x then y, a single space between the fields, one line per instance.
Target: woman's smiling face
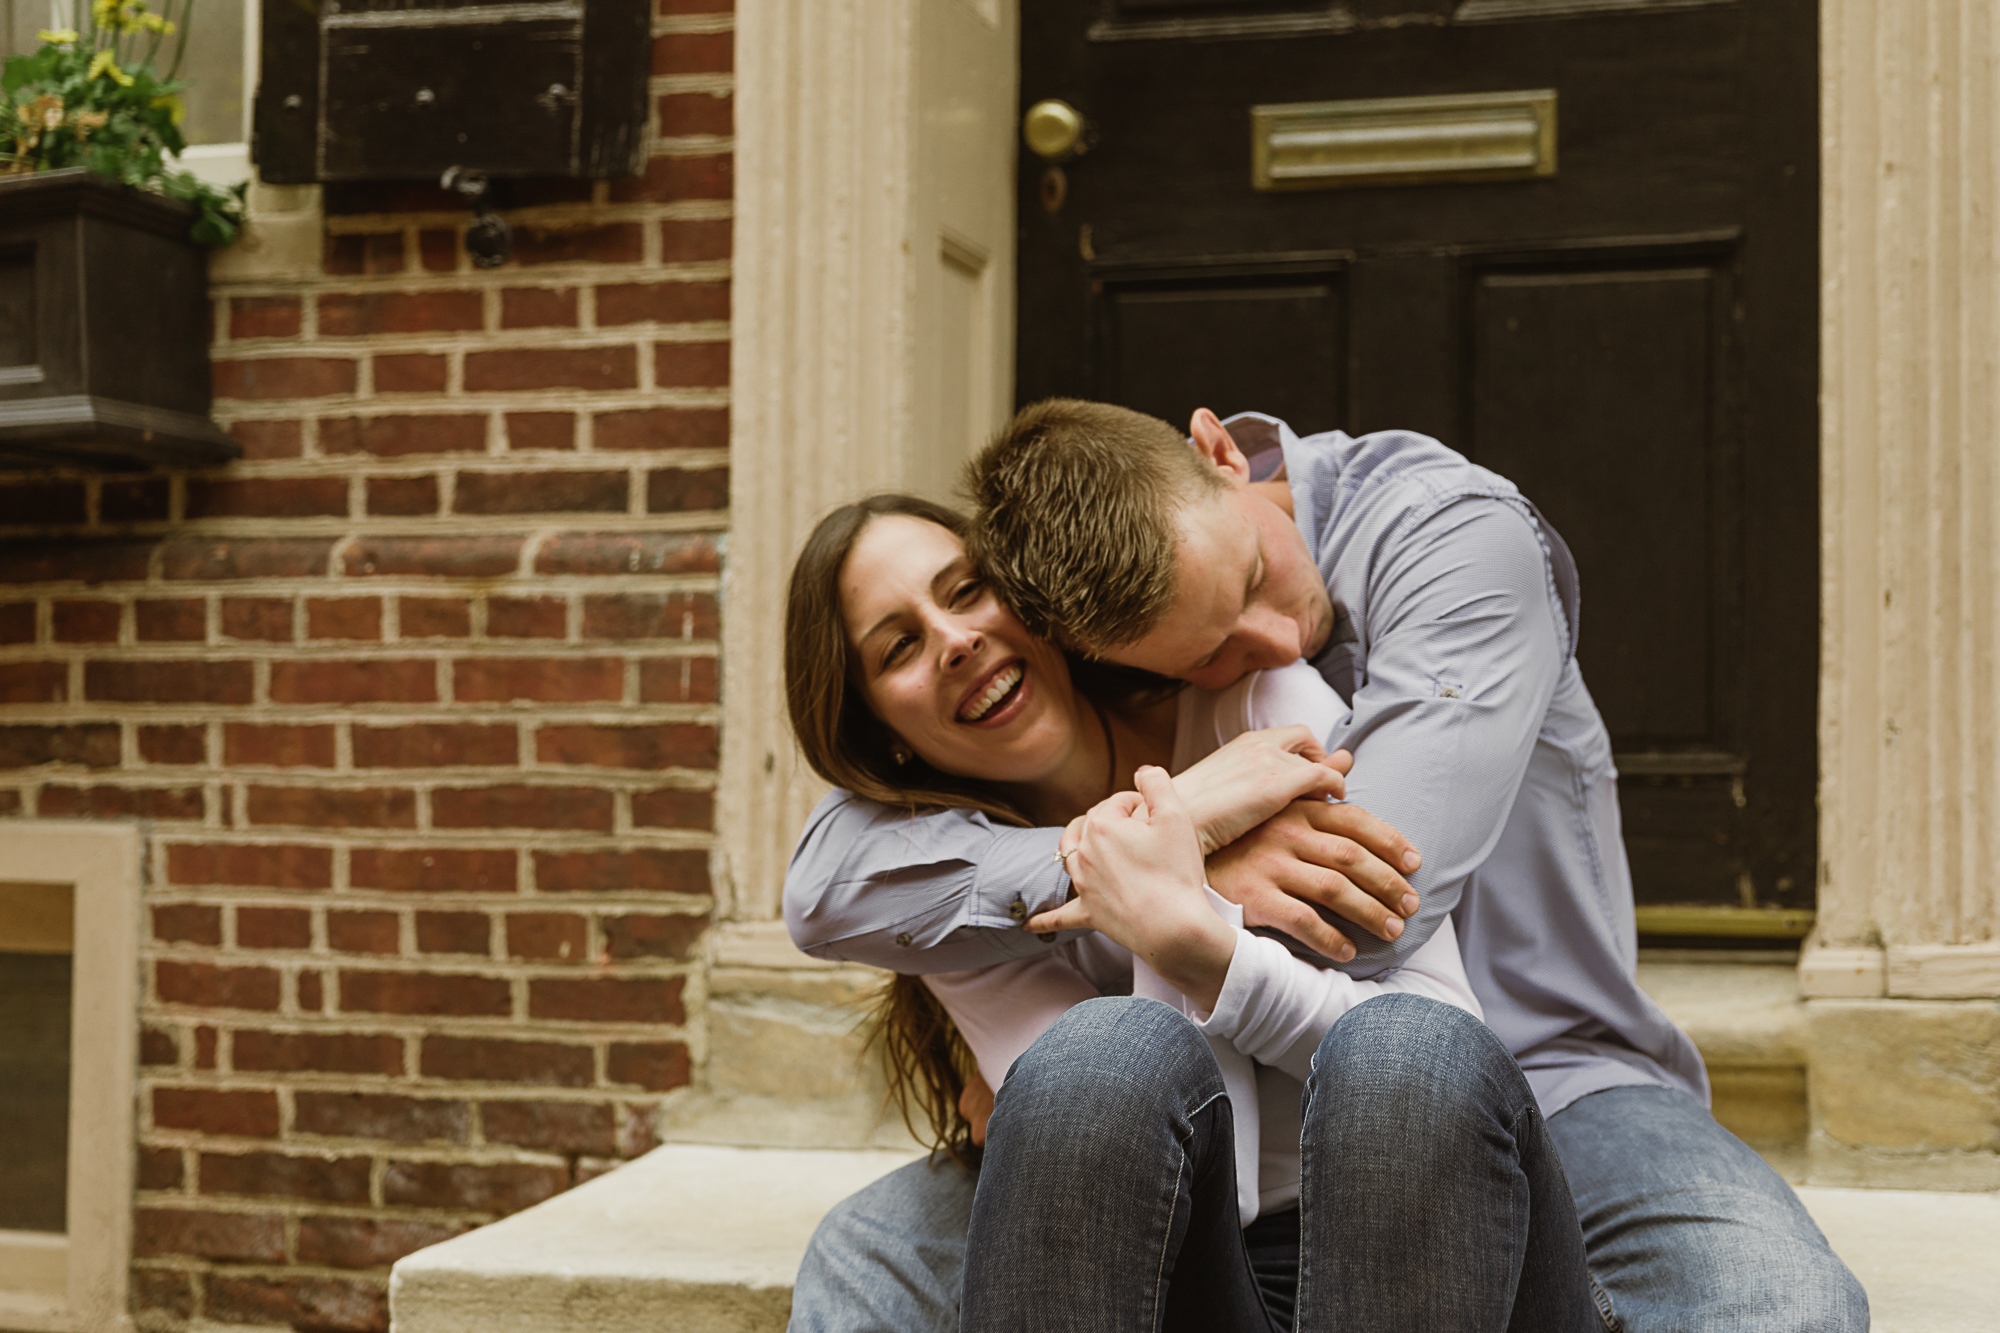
pixel 944 663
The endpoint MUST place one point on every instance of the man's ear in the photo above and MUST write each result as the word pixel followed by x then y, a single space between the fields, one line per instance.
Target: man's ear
pixel 1213 442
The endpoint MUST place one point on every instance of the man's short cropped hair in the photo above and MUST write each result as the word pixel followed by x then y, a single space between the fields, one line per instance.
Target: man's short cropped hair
pixel 1075 519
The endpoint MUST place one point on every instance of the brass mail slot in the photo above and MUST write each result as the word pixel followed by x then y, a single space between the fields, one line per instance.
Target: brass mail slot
pixel 1403 140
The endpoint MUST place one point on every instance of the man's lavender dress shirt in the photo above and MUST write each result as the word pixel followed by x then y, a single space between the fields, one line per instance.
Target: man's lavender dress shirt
pixel 1455 618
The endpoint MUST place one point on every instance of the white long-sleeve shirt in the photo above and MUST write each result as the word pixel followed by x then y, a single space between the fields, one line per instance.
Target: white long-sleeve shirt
pixel 1273 1008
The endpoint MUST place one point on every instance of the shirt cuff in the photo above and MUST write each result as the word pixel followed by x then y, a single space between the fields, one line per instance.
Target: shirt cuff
pixel 1233 1001
pixel 1018 876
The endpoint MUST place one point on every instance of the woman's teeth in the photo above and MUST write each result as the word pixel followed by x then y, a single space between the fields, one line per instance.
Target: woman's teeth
pixel 1003 685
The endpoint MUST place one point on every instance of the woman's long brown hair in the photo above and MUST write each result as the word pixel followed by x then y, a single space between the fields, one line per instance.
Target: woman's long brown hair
pixel 845 743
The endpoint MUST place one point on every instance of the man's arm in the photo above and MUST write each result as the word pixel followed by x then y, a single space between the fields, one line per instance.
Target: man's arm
pixel 948 890
pixel 918 893
pixel 1465 650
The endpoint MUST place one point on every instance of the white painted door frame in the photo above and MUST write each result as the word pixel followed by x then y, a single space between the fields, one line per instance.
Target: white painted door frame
pixel 873 321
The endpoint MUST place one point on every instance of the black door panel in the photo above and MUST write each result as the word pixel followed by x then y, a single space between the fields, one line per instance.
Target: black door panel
pixel 1272 340
pixel 1632 340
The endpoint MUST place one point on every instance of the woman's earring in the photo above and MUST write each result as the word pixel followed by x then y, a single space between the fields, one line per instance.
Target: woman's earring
pixel 900 753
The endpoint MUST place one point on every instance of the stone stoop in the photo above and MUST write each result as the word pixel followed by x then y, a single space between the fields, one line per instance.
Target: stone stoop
pixel 1744 1013
pixel 697 1238
pixel 786 1063
pixel 704 1235
pixel 786 1066
pixel 691 1238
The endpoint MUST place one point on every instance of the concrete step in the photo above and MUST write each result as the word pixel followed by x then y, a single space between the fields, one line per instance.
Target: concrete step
pixel 690 1238
pixel 1744 1013
pixel 786 1066
pixel 704 1239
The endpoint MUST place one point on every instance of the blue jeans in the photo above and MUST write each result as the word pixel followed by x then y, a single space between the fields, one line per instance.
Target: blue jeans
pixel 1686 1229
pixel 1431 1195
pixel 1689 1229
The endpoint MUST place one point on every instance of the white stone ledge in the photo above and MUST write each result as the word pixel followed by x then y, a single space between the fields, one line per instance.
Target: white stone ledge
pixel 1902 971
pixel 280 240
pixel 1840 974
pixel 708 1240
pixel 1926 1260
pixel 693 1238
pixel 1739 1014
pixel 1944 971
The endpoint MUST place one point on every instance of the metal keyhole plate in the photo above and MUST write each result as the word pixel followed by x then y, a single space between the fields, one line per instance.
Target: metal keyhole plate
pixel 1055 189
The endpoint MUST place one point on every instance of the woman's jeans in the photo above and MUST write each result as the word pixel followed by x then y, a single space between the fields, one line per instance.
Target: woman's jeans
pixel 1430 1195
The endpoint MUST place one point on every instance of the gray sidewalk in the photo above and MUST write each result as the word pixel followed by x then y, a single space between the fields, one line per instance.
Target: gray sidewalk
pixel 1929 1260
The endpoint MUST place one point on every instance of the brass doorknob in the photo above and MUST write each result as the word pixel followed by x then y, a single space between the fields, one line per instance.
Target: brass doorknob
pixel 1053 130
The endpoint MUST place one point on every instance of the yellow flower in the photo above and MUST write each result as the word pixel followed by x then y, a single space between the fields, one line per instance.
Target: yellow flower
pixel 104 12
pixel 106 62
pixel 58 36
pixel 155 23
pixel 173 104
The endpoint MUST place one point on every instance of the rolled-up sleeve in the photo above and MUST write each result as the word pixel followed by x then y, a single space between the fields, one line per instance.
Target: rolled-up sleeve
pixel 917 893
pixel 1465 653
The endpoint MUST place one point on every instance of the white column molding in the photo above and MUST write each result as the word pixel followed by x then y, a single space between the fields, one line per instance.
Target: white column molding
pixel 78 1281
pixel 1943 971
pixel 1841 974
pixel 280 240
pixel 841 304
pixel 1910 675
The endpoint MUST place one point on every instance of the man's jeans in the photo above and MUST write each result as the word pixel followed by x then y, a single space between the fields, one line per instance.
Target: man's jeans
pixel 1686 1228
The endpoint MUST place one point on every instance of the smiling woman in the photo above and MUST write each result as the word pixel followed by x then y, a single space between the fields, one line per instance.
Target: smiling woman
pixel 845 743
pixel 944 663
pixel 843 740
pixel 911 683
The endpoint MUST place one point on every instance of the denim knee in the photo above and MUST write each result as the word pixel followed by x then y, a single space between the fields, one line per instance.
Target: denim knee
pixel 1689 1229
pixel 1399 1051
pixel 1112 1060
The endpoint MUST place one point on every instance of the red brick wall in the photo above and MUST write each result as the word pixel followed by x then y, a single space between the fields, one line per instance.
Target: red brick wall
pixel 418 706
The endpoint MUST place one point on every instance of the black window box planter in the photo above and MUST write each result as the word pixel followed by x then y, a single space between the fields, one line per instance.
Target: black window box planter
pixel 103 328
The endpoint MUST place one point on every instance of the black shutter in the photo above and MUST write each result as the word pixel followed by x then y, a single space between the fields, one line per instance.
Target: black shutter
pixel 405 89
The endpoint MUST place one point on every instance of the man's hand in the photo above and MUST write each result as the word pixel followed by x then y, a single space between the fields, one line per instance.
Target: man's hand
pixel 975 1103
pixel 1255 776
pixel 1338 856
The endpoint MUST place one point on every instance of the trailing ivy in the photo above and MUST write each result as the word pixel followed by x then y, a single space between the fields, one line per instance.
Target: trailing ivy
pixel 96 99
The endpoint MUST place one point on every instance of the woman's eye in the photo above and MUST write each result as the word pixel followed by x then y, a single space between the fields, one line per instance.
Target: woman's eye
pixel 897 647
pixel 966 592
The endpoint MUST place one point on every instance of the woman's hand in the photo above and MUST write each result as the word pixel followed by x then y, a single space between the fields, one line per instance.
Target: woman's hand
pixel 1137 869
pixel 1255 776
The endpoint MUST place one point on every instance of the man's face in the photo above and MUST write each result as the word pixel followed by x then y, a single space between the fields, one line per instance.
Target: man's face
pixel 1247 595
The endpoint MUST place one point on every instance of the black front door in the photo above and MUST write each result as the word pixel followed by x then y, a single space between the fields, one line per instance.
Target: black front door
pixel 1628 332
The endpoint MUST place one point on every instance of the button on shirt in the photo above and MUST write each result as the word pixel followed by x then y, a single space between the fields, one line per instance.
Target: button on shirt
pixel 1455 617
